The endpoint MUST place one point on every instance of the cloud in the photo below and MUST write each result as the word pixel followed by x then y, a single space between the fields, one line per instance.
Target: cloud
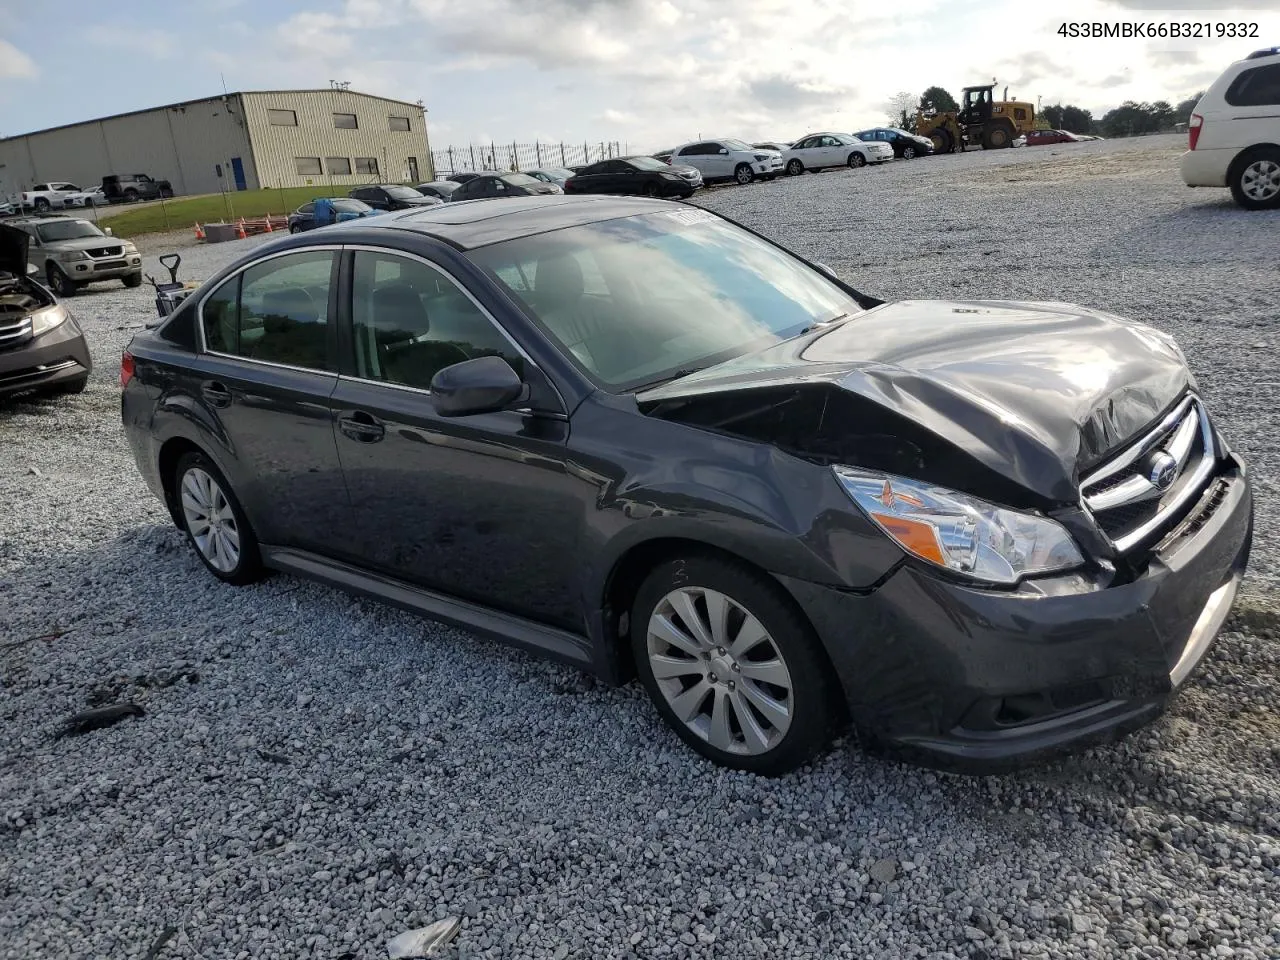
pixel 786 93
pixel 617 116
pixel 1219 9
pixel 14 64
pixel 151 41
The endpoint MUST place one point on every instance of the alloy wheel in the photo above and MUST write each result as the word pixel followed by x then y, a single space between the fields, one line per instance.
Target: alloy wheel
pixel 210 520
pixel 720 671
pixel 909 153
pixel 1260 180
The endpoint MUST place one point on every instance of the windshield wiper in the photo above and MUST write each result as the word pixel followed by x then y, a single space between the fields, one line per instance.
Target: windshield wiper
pixel 682 372
pixel 826 323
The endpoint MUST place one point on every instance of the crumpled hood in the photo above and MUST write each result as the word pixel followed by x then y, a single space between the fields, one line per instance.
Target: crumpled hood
pixel 13 250
pixel 1038 392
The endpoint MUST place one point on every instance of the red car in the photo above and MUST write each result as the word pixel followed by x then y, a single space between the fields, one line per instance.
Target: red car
pixel 1038 138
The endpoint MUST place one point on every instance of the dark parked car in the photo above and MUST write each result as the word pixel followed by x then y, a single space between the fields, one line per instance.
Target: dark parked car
pixel 639 438
pixel 324 211
pixel 462 177
pixel 42 348
pixel 636 176
pixel 392 196
pixel 440 189
pixel 129 187
pixel 1041 138
pixel 906 145
pixel 492 183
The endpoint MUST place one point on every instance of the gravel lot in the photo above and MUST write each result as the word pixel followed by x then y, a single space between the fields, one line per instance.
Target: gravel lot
pixel 316 773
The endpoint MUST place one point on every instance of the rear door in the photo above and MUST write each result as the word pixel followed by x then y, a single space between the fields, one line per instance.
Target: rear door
pixel 482 507
pixel 693 156
pixel 1253 107
pixel 263 378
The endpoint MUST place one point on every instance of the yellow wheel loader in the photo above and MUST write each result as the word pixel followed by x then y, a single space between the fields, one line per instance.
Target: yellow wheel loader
pixel 981 121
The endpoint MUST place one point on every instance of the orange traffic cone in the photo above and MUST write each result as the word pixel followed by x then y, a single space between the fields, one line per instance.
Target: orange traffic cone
pixel 199 232
pixel 240 234
pixel 268 222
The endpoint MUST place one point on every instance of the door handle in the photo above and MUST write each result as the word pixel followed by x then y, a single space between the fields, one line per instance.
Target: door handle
pixel 361 427
pixel 216 393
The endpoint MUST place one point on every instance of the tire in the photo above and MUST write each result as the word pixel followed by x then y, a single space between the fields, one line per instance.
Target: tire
pixel 942 142
pixel 166 193
pixel 857 160
pixel 743 174
pixel 768 727
pixel 199 485
pixel 42 204
pixel 908 153
pixel 651 190
pixel 1255 179
pixel 997 137
pixel 131 195
pixel 295 229
pixel 133 280
pixel 794 168
pixel 59 282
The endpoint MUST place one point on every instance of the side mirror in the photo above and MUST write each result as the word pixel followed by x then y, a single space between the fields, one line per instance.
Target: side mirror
pixel 723 150
pixel 482 385
pixel 107 231
pixel 33 270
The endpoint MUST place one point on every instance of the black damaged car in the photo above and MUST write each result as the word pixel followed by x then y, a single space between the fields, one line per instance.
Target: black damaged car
pixel 644 440
pixel 42 348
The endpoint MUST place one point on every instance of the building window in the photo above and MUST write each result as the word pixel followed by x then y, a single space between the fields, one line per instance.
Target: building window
pixel 308 166
pixel 399 123
pixel 282 118
pixel 345 121
pixel 339 166
pixel 367 165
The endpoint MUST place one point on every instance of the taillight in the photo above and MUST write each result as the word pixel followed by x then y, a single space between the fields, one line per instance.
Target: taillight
pixel 1193 129
pixel 126 369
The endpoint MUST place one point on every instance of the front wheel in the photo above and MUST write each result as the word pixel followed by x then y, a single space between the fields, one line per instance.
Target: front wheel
pixel 214 522
pixel 59 282
pixel 795 168
pixel 133 280
pixel 131 196
pixel 908 153
pixel 731 665
pixel 857 160
pixel 1255 180
pixel 743 173
pixel 295 229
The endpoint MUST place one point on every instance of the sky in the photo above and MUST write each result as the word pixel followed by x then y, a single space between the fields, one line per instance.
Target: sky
pixel 647 73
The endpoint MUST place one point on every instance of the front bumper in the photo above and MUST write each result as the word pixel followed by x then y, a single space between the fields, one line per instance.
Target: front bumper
pixel 765 168
pixel 1206 168
pixel 59 356
pixel 881 156
pixel 978 680
pixel 104 268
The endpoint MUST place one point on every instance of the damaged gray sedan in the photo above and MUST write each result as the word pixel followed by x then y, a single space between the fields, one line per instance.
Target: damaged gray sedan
pixel 643 440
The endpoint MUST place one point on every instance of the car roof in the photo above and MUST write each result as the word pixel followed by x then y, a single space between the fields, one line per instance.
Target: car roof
pixel 470 224
pixel 60 218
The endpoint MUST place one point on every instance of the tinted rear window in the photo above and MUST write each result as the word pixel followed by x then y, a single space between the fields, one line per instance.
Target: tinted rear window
pixel 1258 87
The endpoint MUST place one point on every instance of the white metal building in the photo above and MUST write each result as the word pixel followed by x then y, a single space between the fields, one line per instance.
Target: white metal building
pixel 237 141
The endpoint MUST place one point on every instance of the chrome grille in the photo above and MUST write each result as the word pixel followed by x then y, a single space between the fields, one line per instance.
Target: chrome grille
pixel 1135 495
pixel 106 251
pixel 14 332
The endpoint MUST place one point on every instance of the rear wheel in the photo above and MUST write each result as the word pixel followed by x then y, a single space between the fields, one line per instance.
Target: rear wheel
pixel 857 160
pixel 59 282
pixel 795 168
pixel 743 173
pixel 908 153
pixel 1255 179
pixel 131 195
pixel 214 522
pixel 731 665
pixel 997 137
pixel 42 204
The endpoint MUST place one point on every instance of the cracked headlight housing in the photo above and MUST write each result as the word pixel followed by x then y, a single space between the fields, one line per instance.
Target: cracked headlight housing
pixel 960 533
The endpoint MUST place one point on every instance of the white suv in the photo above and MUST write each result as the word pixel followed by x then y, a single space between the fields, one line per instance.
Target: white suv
pixel 728 159
pixel 1235 133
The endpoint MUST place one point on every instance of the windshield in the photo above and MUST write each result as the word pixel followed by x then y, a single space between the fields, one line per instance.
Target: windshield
pixel 519 179
pixel 442 186
pixel 643 299
pixel 736 145
pixel 560 172
pixel 67 230
pixel 351 206
pixel 403 193
pixel 648 163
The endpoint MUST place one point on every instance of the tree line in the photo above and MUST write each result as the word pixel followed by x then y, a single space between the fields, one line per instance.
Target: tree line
pixel 1127 120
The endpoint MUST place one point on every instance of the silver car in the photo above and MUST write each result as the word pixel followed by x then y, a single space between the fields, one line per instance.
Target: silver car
pixel 69 252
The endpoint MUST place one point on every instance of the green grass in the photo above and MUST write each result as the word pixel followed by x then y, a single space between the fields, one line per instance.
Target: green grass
pixel 182 212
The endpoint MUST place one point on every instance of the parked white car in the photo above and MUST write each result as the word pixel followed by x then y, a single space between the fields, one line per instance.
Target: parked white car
pixel 728 159
pixel 817 151
pixel 85 198
pixel 48 196
pixel 1234 133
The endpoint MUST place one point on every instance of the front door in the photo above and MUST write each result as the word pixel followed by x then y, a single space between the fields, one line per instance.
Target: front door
pixel 478 507
pixel 237 173
pixel 264 378
pixel 413 169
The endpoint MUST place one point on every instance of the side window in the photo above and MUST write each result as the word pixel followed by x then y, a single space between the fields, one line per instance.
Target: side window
pixel 307 208
pixel 276 311
pixel 1258 87
pixel 410 321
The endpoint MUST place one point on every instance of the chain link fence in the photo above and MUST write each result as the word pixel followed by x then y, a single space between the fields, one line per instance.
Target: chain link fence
pixel 522 156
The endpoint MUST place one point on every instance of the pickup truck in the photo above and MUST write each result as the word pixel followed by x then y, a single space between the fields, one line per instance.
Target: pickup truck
pixel 48 196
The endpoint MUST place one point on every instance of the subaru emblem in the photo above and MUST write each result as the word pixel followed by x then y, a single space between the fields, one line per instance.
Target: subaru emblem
pixel 1163 471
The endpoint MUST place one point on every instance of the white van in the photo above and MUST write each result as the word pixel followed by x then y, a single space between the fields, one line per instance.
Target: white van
pixel 1235 133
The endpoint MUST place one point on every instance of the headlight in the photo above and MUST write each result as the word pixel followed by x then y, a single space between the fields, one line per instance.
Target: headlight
pixel 45 320
pixel 761 157
pixel 72 255
pixel 671 176
pixel 959 532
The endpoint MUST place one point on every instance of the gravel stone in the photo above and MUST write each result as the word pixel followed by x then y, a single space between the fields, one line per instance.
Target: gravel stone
pixel 430 771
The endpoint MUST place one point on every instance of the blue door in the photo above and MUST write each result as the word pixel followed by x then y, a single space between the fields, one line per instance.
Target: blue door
pixel 237 171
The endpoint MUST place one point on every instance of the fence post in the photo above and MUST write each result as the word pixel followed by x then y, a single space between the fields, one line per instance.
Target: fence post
pixel 515 155
pixel 493 151
pixel 453 167
pixel 472 147
pixel 537 151
pixel 586 152
pixel 563 162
